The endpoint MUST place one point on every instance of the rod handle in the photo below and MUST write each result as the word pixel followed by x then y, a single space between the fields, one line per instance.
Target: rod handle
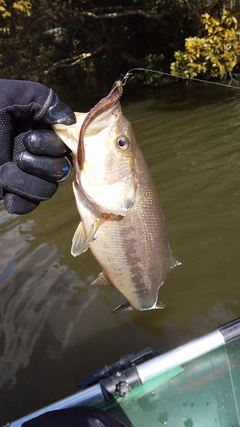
pixel 230 331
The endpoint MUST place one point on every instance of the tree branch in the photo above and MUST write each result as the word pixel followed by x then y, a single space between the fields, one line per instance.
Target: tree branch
pixel 117 12
pixel 114 15
pixel 70 62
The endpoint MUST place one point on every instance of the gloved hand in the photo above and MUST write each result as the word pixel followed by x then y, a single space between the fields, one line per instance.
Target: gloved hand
pixel 33 159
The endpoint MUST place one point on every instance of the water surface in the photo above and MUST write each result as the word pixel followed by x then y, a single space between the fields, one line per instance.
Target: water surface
pixel 55 328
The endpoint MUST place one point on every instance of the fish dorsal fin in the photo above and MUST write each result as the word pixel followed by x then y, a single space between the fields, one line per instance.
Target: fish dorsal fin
pixel 100 281
pixel 80 241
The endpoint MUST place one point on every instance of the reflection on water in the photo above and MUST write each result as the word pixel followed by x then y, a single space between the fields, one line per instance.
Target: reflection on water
pixel 54 327
pixel 29 294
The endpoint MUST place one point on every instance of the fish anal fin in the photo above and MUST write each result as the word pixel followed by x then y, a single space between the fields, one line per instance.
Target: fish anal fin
pixel 123 307
pixel 100 281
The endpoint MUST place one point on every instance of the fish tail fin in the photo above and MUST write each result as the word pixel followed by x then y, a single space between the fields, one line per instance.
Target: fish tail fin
pixel 127 307
pixel 160 305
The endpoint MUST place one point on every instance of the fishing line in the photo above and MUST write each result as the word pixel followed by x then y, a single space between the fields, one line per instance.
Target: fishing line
pixel 130 72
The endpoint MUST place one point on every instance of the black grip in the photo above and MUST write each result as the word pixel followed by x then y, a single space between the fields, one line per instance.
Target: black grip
pixel 231 330
pixel 120 384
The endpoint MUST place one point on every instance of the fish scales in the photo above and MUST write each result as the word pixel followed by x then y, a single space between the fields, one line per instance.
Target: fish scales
pixel 137 265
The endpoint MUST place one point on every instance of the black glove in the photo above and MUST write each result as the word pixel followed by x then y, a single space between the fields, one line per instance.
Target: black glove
pixel 32 162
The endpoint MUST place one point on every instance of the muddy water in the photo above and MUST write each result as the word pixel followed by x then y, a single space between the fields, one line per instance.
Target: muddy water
pixel 54 327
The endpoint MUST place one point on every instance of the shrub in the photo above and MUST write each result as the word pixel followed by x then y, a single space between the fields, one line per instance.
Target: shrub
pixel 214 55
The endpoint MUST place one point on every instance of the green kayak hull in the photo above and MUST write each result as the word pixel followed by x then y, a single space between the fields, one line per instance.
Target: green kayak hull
pixel 202 393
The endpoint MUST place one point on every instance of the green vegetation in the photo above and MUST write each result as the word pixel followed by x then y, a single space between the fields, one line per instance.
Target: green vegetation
pixel 214 55
pixel 23 6
pixel 70 40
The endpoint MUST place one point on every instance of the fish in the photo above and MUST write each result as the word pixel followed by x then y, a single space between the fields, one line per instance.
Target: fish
pixel 122 221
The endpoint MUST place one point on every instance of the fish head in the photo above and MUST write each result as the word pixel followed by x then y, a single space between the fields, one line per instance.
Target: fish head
pixel 107 177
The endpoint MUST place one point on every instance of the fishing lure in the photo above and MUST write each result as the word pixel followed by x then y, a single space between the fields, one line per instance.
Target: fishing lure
pixel 103 105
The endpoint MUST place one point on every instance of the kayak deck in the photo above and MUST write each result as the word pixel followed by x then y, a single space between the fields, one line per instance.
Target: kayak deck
pixel 206 392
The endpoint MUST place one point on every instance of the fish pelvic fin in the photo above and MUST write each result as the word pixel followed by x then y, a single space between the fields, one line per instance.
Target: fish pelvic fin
pixel 100 281
pixel 80 241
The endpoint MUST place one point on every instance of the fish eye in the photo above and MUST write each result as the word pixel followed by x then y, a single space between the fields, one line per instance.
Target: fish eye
pixel 123 142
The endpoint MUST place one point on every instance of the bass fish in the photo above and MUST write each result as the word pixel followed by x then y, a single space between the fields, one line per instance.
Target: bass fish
pixel 121 217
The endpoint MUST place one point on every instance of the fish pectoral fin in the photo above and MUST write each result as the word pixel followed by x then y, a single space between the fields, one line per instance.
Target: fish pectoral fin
pixel 80 241
pixel 100 281
pixel 123 307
